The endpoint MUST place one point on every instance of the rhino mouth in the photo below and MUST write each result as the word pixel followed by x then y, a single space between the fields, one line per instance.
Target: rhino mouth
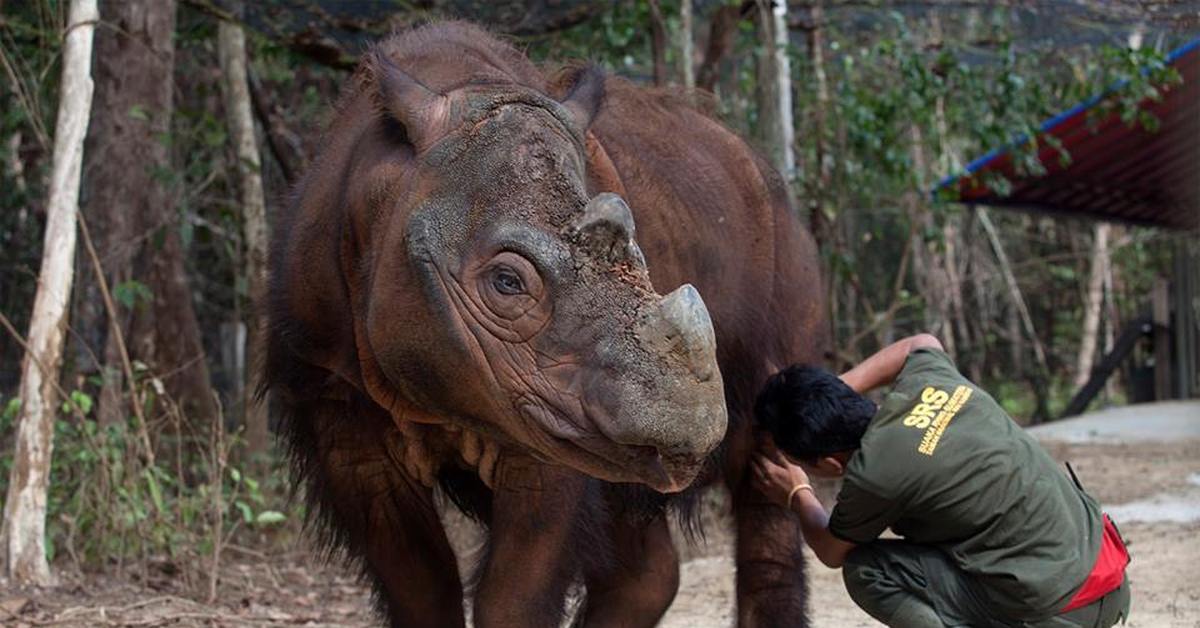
pixel 592 452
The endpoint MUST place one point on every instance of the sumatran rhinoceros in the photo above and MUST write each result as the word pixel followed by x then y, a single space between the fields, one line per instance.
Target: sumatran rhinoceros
pixel 460 302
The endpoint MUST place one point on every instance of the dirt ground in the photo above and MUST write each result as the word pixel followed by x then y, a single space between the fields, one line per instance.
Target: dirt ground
pixel 1152 488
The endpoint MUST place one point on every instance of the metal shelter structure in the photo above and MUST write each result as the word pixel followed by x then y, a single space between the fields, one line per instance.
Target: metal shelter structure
pixel 1118 171
pixel 1123 173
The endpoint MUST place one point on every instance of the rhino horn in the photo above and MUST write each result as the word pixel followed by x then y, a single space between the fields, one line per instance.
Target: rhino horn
pixel 606 229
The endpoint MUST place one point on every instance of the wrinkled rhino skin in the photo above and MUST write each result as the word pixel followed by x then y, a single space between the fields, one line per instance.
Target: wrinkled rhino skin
pixel 464 297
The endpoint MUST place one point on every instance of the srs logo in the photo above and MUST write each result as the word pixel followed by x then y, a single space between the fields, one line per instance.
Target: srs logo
pixel 934 413
pixel 932 400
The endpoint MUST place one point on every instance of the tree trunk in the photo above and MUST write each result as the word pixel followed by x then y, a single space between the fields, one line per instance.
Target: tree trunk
pixel 821 174
pixel 1014 290
pixel 956 318
pixel 722 37
pixel 1016 345
pixel 930 267
pixel 729 93
pixel 658 43
pixel 132 212
pixel 231 48
pixel 775 129
pixel 25 504
pixel 13 159
pixel 982 310
pixel 1111 321
pixel 687 70
pixel 285 145
pixel 1092 305
pixel 1040 377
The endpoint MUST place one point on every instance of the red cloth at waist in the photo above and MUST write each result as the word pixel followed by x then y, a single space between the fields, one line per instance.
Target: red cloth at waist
pixel 1107 573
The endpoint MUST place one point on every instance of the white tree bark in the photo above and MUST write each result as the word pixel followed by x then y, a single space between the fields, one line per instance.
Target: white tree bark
pixel 1093 304
pixel 14 161
pixel 775 88
pixel 231 48
pixel 1111 316
pixel 687 62
pixel 25 505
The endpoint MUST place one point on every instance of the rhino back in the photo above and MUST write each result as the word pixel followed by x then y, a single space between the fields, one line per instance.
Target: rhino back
pixel 710 211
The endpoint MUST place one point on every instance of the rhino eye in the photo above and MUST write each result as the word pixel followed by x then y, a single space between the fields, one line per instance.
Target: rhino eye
pixel 506 281
pixel 512 293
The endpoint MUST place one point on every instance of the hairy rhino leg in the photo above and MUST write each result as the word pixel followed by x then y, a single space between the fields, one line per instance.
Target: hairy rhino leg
pixel 528 568
pixel 639 583
pixel 771 586
pixel 771 589
pixel 384 517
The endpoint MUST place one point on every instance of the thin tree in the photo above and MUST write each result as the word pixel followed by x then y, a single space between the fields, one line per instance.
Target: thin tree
pixel 1092 304
pixel 24 531
pixel 1014 290
pixel 658 43
pixel 1100 273
pixel 687 70
pixel 821 179
pixel 231 48
pixel 775 128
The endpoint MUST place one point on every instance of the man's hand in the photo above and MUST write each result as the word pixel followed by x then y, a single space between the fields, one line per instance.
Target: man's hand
pixel 775 476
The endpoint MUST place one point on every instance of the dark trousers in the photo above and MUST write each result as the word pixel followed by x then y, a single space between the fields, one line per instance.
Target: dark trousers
pixel 905 585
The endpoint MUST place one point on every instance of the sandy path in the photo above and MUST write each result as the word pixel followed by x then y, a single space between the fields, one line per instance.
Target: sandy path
pixel 1165 575
pixel 1152 486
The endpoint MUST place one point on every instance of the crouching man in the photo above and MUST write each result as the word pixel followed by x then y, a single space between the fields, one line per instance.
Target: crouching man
pixel 993 532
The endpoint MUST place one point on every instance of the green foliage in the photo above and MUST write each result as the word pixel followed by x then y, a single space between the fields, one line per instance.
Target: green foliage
pixel 132 292
pixel 1135 76
pixel 909 101
pixel 30 49
pixel 79 403
pixel 108 501
pixel 618 39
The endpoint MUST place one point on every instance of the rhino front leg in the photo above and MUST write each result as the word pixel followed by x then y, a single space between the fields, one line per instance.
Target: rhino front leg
pixel 637 586
pixel 379 513
pixel 528 568
pixel 771 589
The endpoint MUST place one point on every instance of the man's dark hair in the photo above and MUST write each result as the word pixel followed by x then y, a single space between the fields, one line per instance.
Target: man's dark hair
pixel 810 412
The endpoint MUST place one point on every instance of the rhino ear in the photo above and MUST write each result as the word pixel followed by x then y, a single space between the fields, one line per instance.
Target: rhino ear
pixel 424 113
pixel 586 95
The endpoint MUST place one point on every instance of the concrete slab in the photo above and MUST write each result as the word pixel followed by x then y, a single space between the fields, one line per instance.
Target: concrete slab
pixel 1144 422
pixel 1174 508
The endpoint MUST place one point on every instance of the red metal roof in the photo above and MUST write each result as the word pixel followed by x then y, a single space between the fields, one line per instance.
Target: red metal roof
pixel 1118 171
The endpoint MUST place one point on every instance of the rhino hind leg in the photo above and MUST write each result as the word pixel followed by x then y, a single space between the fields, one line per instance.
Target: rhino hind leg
pixel 637 586
pixel 771 586
pixel 366 507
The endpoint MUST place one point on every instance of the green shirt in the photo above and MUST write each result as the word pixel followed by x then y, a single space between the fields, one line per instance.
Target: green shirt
pixel 942 464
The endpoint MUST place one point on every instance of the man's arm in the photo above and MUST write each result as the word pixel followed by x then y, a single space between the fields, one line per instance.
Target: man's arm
pixel 815 523
pixel 882 368
pixel 777 478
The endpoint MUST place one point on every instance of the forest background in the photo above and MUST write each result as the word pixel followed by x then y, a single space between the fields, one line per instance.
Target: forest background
pixel 205 113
